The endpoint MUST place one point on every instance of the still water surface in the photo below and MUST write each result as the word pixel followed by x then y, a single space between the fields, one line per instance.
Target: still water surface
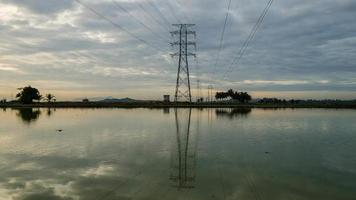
pixel 107 154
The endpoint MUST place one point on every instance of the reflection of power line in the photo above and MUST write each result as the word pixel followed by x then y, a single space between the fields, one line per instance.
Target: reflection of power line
pixel 197 140
pixel 210 116
pixel 184 159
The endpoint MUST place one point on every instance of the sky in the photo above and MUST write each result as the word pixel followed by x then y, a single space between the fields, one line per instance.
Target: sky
pixel 303 49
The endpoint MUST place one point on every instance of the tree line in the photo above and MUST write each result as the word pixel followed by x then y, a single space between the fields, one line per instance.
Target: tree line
pixel 242 97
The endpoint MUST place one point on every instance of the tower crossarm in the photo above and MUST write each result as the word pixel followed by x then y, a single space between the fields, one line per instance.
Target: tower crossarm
pixel 177 32
pixel 188 43
pixel 188 54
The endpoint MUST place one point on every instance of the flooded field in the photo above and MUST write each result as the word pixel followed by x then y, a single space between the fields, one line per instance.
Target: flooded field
pixel 197 154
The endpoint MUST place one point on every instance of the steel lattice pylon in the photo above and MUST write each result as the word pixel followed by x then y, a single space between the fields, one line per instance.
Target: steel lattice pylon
pixel 183 92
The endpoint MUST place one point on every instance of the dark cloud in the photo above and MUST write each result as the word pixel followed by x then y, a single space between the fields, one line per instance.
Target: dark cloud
pixel 299 40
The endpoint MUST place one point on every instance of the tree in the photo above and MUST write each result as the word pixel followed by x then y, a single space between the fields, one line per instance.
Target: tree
pixel 245 97
pixel 219 95
pixel 242 97
pixel 50 98
pixel 230 93
pixel 28 94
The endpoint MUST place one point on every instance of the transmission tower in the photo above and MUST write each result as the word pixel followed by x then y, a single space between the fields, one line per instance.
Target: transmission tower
pixel 183 41
pixel 210 93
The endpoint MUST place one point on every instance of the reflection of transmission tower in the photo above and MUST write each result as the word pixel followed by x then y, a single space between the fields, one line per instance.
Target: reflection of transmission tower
pixel 183 81
pixel 184 158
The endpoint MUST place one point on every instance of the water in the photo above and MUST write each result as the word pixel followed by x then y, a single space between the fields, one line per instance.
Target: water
pixel 97 154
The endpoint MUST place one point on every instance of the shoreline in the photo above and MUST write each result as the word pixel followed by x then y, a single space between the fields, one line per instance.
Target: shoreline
pixel 160 104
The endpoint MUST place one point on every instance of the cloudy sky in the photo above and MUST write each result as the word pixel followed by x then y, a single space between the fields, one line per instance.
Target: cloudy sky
pixel 303 49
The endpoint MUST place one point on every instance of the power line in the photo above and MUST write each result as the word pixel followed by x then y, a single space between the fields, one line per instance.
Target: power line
pixel 249 38
pixel 152 4
pixel 173 13
pixel 152 16
pixel 137 19
pixel 222 38
pixel 115 24
pixel 184 13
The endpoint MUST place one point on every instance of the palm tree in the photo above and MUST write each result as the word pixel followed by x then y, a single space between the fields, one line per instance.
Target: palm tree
pixel 50 98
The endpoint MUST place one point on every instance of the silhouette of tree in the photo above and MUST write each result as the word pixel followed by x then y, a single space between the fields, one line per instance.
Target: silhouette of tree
pixel 28 94
pixel 242 97
pixel 220 95
pixel 50 98
pixel 230 93
pixel 245 97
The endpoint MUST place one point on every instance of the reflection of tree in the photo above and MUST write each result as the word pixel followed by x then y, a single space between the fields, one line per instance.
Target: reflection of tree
pixel 166 110
pixel 50 111
pixel 184 157
pixel 28 115
pixel 232 113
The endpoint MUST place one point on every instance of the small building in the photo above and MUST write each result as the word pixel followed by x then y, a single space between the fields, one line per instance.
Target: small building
pixel 166 98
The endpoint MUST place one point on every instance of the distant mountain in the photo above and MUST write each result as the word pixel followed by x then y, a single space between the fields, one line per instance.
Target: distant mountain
pixel 93 98
pixel 114 100
pixel 108 99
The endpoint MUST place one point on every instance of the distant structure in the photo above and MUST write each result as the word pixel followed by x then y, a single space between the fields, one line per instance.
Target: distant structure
pixel 166 98
pixel 210 93
pixel 200 100
pixel 183 92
